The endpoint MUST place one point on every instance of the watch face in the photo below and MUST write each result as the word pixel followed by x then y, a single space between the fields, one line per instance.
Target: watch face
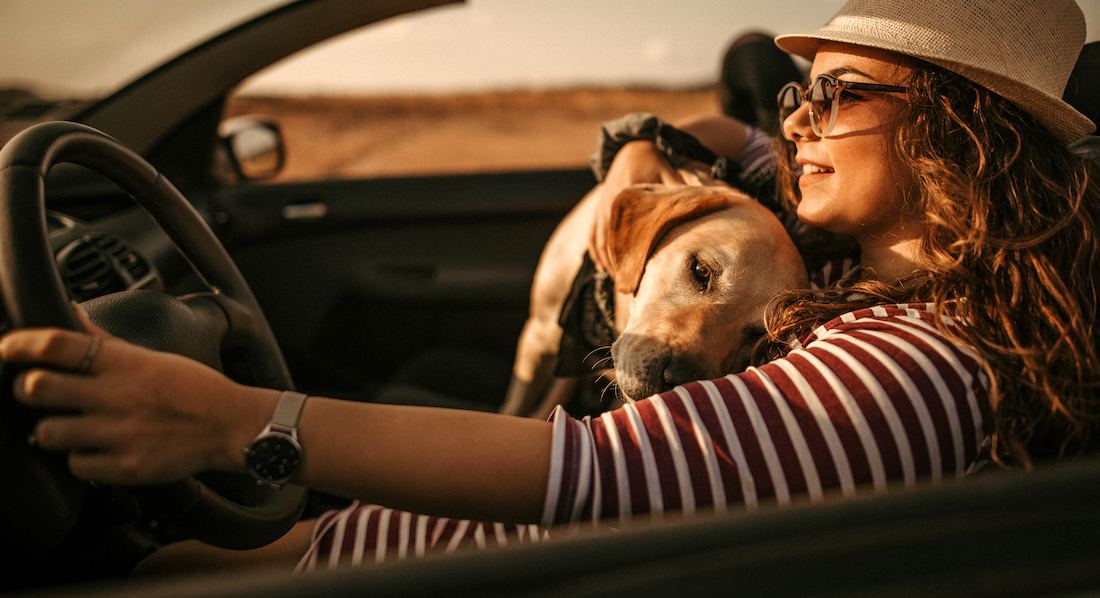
pixel 274 458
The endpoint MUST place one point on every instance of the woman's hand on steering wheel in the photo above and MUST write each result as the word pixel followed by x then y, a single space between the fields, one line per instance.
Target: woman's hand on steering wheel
pixel 126 414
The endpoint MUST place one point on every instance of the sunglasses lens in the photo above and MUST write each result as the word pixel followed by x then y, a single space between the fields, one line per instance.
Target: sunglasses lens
pixel 821 100
pixel 790 98
pixel 823 106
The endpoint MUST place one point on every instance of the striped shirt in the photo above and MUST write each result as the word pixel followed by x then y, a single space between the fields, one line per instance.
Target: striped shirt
pixel 362 534
pixel 873 398
pixel 757 153
pixel 876 398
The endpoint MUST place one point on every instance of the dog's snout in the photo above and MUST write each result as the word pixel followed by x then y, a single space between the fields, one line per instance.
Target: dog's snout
pixel 679 371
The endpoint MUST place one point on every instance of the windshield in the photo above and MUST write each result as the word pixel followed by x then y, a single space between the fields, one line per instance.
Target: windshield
pixel 57 56
pixel 64 50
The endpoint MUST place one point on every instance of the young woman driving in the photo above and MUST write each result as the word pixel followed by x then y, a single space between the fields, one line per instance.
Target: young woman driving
pixel 931 136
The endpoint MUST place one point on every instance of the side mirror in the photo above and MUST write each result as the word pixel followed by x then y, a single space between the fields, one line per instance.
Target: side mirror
pixel 254 146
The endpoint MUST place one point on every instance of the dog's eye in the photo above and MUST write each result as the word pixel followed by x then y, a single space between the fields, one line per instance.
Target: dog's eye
pixel 701 272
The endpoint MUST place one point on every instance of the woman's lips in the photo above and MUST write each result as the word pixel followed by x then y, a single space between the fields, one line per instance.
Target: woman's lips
pixel 812 173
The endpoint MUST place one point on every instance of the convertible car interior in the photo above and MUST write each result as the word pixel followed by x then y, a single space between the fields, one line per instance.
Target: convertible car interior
pixel 158 215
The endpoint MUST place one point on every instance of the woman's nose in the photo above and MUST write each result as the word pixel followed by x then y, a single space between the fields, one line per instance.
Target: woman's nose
pixel 797 124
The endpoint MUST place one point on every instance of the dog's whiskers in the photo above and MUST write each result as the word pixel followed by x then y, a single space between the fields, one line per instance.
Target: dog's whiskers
pixel 603 360
pixel 595 351
pixel 613 386
pixel 603 364
pixel 607 366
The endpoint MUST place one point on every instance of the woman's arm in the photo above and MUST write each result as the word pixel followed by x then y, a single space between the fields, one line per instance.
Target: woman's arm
pixel 141 416
pixel 724 135
pixel 636 162
pixel 643 162
pixel 873 399
pixel 446 462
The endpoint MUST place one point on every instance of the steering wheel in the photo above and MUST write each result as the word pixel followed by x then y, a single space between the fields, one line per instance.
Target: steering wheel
pixel 41 497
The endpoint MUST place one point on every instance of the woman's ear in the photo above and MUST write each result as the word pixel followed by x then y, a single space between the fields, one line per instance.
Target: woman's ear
pixel 642 214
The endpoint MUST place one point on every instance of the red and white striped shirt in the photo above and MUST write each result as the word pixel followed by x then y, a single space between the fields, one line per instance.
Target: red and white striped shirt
pixel 874 398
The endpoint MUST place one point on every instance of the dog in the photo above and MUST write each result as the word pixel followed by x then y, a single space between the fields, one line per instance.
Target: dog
pixel 693 267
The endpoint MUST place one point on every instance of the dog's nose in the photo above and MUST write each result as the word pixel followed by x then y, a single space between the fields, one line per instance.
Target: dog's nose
pixel 680 371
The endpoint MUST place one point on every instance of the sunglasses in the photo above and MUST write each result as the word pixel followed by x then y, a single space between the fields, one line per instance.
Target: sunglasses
pixel 824 99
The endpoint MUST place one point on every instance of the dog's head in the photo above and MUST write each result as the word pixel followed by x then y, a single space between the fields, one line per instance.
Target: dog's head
pixel 702 263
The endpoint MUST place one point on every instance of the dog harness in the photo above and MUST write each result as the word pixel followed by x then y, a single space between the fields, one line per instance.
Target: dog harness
pixel 587 321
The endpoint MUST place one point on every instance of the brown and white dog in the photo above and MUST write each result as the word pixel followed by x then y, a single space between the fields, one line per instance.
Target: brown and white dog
pixel 694 268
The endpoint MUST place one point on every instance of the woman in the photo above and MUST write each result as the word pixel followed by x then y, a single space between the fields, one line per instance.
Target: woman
pixel 966 336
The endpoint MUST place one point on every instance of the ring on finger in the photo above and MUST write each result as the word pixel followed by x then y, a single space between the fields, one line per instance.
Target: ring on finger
pixel 90 355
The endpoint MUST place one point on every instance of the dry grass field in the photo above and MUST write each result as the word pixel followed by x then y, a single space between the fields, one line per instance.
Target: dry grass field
pixel 352 137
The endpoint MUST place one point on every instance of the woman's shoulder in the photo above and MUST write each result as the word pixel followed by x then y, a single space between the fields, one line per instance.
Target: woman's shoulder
pixel 914 328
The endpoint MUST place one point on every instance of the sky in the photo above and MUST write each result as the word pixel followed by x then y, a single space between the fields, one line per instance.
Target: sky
pixel 83 47
pixel 531 43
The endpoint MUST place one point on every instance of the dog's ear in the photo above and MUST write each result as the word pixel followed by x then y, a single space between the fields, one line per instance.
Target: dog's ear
pixel 640 217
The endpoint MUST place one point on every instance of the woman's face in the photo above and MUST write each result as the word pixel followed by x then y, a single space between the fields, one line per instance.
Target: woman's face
pixel 852 182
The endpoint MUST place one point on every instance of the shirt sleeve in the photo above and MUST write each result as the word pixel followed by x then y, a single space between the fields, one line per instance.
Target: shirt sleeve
pixel 364 533
pixel 876 398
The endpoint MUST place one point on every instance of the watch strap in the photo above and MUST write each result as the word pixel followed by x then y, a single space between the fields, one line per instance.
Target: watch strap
pixel 288 409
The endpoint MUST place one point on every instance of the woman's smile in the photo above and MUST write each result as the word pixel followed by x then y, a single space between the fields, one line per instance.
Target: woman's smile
pixel 812 173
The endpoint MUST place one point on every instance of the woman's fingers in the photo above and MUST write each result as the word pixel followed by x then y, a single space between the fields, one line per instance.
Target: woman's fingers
pixel 113 434
pixel 78 418
pixel 70 358
pixel 74 432
pixel 47 389
pixel 597 240
pixel 100 448
pixel 636 162
pixel 128 414
pixel 64 349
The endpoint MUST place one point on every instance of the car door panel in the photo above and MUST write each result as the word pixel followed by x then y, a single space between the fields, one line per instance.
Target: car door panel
pixel 360 278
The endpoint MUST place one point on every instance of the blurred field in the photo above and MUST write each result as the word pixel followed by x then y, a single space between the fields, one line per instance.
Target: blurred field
pixel 351 137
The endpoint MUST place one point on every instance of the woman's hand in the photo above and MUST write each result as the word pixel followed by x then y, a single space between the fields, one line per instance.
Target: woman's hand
pixel 637 162
pixel 129 415
pixel 136 416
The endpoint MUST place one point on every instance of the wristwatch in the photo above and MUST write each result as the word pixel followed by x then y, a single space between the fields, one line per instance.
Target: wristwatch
pixel 275 456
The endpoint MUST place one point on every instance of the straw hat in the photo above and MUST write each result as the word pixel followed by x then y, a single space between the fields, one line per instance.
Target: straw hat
pixel 1023 50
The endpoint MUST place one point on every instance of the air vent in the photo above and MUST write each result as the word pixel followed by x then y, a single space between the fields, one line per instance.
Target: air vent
pixel 98 264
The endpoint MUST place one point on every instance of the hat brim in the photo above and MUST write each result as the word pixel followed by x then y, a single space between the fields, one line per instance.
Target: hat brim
pixel 1061 118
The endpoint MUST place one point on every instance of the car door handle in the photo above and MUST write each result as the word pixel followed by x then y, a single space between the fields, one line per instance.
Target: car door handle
pixel 314 210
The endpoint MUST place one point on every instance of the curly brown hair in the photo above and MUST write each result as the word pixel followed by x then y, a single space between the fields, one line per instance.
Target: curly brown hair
pixel 1011 243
